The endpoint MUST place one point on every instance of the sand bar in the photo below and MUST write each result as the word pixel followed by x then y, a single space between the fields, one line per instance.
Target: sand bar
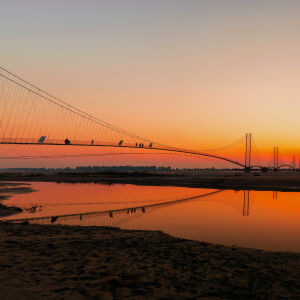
pixel 56 262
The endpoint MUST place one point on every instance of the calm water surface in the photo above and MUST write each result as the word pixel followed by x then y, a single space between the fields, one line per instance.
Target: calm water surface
pixel 256 219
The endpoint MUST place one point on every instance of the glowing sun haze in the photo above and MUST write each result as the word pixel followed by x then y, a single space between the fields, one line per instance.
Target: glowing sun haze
pixel 193 74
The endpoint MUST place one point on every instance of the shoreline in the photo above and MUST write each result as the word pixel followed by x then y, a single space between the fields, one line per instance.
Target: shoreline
pixel 285 182
pixel 42 261
pixel 7 190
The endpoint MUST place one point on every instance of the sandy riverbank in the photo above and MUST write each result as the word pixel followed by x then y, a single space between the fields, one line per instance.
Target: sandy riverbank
pixel 60 262
pixel 280 181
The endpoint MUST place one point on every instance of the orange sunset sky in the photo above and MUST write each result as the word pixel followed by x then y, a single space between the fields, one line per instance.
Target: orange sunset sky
pixel 192 74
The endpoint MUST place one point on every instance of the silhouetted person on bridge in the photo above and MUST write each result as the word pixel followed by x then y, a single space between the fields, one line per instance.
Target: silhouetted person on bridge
pixel 67 142
pixel 136 144
pixel 92 142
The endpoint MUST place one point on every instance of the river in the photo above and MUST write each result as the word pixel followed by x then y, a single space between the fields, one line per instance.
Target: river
pixel 256 219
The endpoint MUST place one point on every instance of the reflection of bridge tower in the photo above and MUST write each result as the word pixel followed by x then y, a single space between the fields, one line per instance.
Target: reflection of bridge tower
pixel 246 203
pixel 275 159
pixel 248 152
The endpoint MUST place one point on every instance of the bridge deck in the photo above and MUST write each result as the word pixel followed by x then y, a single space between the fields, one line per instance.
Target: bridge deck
pixel 130 146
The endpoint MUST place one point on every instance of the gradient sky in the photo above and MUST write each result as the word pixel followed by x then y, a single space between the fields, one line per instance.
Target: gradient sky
pixel 194 74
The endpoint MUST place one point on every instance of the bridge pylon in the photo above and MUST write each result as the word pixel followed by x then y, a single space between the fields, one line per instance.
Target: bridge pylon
pixel 248 152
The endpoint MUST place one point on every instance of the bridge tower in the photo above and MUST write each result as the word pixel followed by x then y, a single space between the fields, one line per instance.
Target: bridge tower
pixel 248 153
pixel 276 159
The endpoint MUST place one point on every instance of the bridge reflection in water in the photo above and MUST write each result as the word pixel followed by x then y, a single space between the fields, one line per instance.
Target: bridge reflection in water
pixel 117 217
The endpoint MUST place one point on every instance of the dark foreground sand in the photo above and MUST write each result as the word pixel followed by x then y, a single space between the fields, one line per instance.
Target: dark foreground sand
pixel 60 262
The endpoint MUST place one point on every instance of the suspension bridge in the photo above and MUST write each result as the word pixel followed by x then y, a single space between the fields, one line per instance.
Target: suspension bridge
pixel 241 202
pixel 31 116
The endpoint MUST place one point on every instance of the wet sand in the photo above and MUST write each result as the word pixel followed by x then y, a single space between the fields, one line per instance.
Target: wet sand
pixel 7 190
pixel 61 262
pixel 279 181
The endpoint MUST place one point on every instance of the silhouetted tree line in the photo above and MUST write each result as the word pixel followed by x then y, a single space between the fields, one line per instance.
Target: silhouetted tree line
pixel 91 169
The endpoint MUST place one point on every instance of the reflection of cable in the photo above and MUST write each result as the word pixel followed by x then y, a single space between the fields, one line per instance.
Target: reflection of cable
pixel 111 211
pixel 157 201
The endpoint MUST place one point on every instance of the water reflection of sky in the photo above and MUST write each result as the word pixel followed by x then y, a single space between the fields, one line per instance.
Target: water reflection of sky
pixel 265 220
